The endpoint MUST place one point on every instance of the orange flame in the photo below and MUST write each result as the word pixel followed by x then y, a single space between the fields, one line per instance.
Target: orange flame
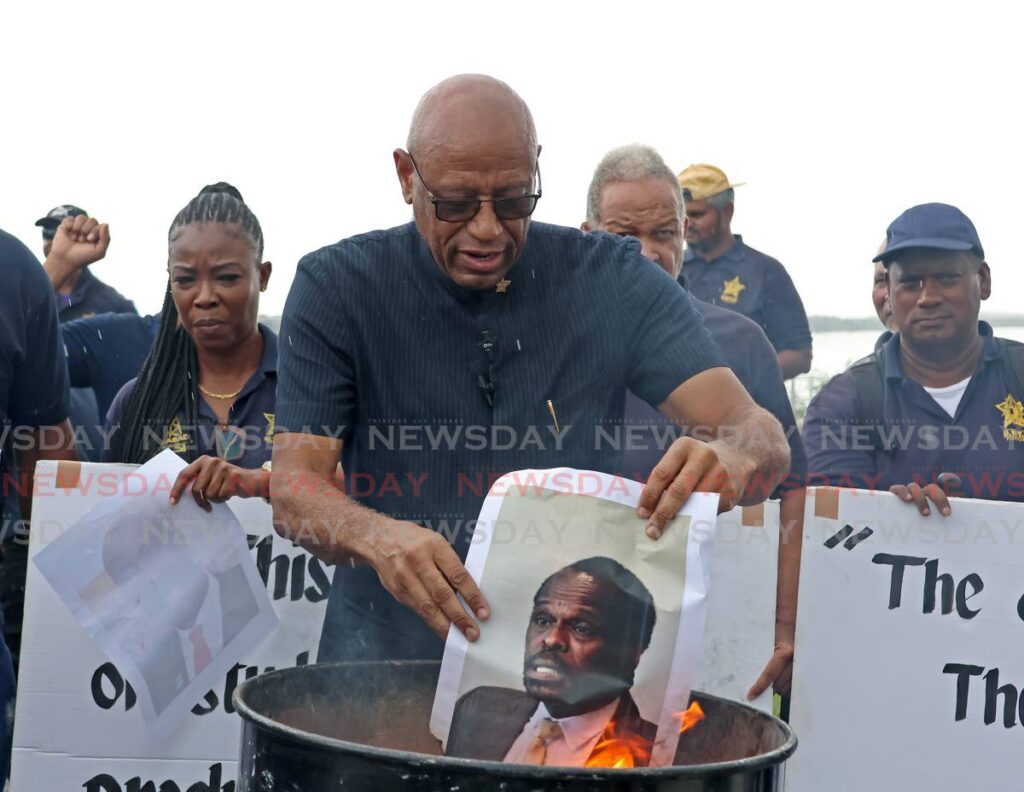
pixel 618 748
pixel 690 717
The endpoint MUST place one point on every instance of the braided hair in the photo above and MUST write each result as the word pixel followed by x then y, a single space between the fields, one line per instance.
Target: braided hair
pixel 169 381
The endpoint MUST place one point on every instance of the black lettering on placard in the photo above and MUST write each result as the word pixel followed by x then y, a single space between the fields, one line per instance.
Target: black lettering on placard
pixel 207 705
pixel 963 682
pixel 107 783
pixel 938 587
pixel 289 574
pixel 108 673
pixel 1010 696
pixel 898 563
pixel 322 584
pixel 932 580
pixel 108 686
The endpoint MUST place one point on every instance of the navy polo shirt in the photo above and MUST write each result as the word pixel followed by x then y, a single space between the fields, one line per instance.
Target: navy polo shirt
pixel 106 351
pixel 646 433
pixel 33 378
pixel 252 414
pixel 383 350
pixel 983 443
pixel 747 281
pixel 91 296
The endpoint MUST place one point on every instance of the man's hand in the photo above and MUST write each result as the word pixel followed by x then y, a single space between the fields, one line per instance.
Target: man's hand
pixel 690 466
pixel 779 671
pixel 417 566
pixel 946 484
pixel 79 242
pixel 215 480
pixel 743 463
pixel 422 571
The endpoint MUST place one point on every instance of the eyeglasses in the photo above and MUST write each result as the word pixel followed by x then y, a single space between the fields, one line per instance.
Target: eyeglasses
pixel 509 207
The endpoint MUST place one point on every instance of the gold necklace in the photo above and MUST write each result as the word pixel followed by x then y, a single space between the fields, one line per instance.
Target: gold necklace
pixel 221 396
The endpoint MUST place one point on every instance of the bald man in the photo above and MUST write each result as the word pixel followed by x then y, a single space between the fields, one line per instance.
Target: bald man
pixel 435 357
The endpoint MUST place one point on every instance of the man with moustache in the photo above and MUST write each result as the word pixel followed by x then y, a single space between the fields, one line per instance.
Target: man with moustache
pixel 634 193
pixel 942 376
pixel 723 270
pixel 459 320
pixel 591 622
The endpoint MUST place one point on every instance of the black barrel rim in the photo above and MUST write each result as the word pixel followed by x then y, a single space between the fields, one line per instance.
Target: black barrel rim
pixel 747 765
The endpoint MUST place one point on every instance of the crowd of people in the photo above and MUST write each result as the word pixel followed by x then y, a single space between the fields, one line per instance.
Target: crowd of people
pixel 651 314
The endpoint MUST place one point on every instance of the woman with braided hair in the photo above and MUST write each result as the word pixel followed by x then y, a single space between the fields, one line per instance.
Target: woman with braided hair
pixel 207 388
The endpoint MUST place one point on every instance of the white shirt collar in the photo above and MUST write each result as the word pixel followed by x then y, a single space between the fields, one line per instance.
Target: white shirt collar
pixel 579 729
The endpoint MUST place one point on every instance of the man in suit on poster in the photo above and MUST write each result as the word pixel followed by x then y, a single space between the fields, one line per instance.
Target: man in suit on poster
pixel 204 610
pixel 590 623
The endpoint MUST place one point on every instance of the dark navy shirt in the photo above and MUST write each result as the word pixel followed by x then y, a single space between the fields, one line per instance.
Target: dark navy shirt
pixel 106 351
pixel 381 349
pixel 983 443
pixel 646 433
pixel 91 296
pixel 747 281
pixel 33 378
pixel 249 439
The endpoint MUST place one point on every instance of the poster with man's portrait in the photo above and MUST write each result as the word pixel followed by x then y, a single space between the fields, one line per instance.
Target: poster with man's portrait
pixel 170 594
pixel 595 631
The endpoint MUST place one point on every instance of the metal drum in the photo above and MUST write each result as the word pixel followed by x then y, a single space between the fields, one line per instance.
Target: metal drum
pixel 363 727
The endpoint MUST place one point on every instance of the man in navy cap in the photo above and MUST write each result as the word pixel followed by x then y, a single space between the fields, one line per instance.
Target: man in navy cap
pixel 79 292
pixel 938 407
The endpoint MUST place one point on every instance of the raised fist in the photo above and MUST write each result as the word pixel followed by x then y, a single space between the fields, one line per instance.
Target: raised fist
pixel 80 241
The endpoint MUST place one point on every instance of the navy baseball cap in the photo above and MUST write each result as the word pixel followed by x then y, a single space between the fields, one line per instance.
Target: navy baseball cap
pixel 56 216
pixel 932 225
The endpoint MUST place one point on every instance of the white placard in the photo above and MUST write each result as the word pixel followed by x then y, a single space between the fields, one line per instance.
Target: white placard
pixel 908 667
pixel 739 636
pixel 168 592
pixel 77 724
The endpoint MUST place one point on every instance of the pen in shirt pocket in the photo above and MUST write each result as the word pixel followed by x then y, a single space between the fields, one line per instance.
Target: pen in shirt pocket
pixel 554 417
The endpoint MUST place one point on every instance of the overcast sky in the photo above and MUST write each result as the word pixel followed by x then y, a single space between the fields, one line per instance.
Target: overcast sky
pixel 838 117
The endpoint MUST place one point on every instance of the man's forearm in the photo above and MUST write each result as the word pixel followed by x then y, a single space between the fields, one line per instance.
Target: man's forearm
pixel 61 272
pixel 753 435
pixel 315 513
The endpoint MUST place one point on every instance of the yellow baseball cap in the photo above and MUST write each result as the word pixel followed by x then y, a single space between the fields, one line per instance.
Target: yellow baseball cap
pixel 703 181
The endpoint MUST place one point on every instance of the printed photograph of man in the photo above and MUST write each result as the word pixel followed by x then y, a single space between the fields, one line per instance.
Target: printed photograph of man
pixel 591 622
pixel 171 632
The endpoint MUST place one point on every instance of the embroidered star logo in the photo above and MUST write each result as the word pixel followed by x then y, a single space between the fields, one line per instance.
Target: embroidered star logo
pixel 502 286
pixel 731 290
pixel 1013 412
pixel 175 437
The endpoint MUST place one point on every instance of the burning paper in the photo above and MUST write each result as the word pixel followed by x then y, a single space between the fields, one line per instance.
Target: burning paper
pixel 169 593
pixel 596 630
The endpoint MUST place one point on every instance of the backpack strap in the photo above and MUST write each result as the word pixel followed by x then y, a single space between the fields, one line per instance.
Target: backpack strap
pixel 869 383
